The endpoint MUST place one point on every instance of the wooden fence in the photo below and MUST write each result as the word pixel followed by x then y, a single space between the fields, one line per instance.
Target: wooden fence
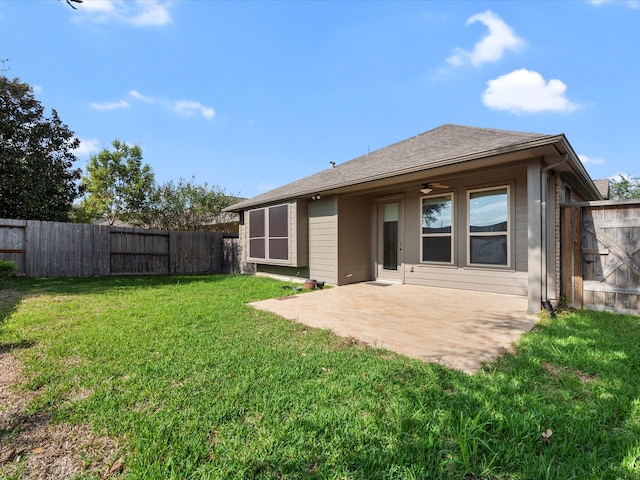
pixel 54 249
pixel 600 245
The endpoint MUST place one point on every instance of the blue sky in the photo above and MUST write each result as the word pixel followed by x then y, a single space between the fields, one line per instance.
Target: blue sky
pixel 253 95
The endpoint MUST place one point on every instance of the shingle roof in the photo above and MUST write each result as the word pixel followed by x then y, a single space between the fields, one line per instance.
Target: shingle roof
pixel 603 187
pixel 444 145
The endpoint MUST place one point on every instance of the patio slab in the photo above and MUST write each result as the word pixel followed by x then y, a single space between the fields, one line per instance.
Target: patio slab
pixel 456 328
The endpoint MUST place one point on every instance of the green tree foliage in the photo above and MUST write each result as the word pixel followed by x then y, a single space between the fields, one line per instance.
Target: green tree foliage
pixel 118 186
pixel 186 205
pixel 37 178
pixel 624 187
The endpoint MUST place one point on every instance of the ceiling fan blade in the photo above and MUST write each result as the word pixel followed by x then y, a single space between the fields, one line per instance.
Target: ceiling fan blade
pixel 438 185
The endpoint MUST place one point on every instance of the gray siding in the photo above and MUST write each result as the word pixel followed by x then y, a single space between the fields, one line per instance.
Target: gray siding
pixel 499 280
pixel 287 274
pixel 512 283
pixel 354 244
pixel 302 232
pixel 323 239
pixel 521 233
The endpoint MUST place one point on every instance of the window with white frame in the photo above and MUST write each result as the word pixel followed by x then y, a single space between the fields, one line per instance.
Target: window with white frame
pixel 437 229
pixel 269 233
pixel 489 226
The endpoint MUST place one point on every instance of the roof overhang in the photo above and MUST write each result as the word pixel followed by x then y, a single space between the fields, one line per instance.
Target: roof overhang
pixel 549 148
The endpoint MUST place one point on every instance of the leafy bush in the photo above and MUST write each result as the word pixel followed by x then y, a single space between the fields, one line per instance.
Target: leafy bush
pixel 7 268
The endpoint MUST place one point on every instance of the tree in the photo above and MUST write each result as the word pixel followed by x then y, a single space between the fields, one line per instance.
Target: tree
pixel 624 187
pixel 71 3
pixel 118 186
pixel 188 206
pixel 37 178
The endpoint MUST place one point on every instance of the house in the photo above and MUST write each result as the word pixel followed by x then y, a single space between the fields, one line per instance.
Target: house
pixel 458 207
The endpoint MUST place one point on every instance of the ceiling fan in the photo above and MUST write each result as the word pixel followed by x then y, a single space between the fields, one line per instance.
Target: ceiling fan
pixel 430 186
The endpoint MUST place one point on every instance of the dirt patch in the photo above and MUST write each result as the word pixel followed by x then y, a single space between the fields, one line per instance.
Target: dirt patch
pixel 555 371
pixel 31 447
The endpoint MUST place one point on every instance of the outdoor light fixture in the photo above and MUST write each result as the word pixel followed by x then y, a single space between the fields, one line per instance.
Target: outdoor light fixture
pixel 316 197
pixel 426 188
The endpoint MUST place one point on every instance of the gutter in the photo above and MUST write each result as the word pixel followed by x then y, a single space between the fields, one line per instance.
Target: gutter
pixel 544 241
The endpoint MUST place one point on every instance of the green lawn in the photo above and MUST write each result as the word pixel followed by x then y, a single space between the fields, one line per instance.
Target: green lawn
pixel 198 385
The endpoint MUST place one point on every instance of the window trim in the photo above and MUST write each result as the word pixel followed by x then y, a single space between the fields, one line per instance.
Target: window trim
pixel 437 235
pixel 267 237
pixel 506 234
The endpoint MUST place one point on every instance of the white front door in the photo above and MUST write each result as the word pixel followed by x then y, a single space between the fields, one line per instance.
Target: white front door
pixel 390 255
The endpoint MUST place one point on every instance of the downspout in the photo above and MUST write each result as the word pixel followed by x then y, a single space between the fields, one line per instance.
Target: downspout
pixel 544 241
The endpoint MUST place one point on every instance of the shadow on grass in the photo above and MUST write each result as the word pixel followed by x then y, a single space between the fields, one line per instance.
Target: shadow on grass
pixel 577 376
pixel 9 299
pixel 22 344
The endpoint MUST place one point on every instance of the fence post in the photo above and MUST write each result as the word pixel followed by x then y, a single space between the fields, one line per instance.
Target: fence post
pixel 577 256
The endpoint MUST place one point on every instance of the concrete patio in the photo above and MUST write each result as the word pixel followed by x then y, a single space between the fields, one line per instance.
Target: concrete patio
pixel 456 328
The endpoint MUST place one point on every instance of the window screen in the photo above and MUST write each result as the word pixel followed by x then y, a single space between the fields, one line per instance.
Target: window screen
pixel 437 229
pixel 489 226
pixel 269 233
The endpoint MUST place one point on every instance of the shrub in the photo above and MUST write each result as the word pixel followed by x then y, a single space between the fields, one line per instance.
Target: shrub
pixel 7 268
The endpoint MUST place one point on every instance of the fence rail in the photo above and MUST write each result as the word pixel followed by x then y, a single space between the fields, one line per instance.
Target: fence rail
pixel 55 249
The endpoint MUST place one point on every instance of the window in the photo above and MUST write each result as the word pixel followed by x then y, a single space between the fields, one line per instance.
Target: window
pixel 489 226
pixel 437 229
pixel 269 233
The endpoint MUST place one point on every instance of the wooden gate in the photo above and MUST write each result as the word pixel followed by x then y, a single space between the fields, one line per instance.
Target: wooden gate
pixel 600 255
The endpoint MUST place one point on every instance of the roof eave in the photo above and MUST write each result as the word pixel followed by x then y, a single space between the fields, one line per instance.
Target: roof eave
pixel 582 182
pixel 531 144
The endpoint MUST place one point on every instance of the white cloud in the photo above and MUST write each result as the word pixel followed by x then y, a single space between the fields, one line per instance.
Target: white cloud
pixel 98 6
pixel 145 13
pixel 633 4
pixel 37 89
pixel 492 46
pixel 185 108
pixel 138 96
pixel 591 160
pixel 189 108
pixel 152 14
pixel 110 105
pixel 87 147
pixel 526 91
pixel 620 176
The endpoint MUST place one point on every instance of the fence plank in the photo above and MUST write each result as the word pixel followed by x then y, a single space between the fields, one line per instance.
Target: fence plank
pixel 195 252
pixel 231 255
pixel 55 249
pixel 13 243
pixel 576 234
pixel 610 235
pixel 137 251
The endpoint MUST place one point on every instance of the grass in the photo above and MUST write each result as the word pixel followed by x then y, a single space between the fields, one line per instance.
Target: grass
pixel 198 385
